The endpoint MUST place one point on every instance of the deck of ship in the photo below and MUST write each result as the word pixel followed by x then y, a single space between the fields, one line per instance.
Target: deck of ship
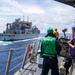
pixel 26 67
pixel 33 69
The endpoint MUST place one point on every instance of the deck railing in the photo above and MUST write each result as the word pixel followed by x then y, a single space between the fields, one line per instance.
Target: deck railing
pixel 23 63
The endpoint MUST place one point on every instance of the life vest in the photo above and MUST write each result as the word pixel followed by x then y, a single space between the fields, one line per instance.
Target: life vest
pixel 48 46
pixel 56 34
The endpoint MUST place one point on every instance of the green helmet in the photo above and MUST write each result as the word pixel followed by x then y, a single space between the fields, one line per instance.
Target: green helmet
pixel 49 30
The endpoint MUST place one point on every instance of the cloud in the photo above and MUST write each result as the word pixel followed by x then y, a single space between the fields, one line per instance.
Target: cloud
pixel 9 11
pixel 34 10
pixel 19 8
pixel 43 13
pixel 2 19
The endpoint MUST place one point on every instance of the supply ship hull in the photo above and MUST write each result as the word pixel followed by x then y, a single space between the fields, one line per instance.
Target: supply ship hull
pixel 19 30
pixel 14 37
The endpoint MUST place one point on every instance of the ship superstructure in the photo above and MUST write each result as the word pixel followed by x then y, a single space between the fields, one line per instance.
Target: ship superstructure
pixel 19 30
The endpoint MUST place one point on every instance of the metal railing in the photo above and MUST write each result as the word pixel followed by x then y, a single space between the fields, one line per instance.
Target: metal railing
pixel 23 63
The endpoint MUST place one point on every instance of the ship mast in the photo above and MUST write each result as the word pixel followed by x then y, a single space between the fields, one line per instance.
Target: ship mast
pixel 23 18
pixel 27 18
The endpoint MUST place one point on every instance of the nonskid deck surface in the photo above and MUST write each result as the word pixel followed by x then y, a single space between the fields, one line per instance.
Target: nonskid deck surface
pixel 33 69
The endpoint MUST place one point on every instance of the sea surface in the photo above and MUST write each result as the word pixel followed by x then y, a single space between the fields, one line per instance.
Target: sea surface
pixel 7 45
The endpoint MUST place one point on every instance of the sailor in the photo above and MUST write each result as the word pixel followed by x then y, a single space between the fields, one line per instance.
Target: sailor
pixel 50 48
pixel 71 44
pixel 56 34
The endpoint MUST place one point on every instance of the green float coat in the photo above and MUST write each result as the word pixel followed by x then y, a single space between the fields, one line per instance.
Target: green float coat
pixel 48 46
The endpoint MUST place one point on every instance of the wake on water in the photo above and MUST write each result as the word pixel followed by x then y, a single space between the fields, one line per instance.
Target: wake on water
pixel 4 43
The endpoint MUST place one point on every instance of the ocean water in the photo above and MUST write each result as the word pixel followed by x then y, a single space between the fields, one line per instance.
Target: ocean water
pixel 16 44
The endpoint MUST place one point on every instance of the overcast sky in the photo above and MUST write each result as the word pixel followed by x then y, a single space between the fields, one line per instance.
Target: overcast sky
pixel 43 13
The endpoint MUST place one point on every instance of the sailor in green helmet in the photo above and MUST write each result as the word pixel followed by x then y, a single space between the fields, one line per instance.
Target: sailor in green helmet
pixel 50 48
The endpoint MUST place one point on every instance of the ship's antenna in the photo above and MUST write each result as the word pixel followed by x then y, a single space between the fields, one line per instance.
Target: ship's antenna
pixel 23 17
pixel 27 18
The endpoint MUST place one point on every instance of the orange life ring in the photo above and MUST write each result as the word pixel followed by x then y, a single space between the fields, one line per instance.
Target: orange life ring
pixel 29 50
pixel 29 47
pixel 29 54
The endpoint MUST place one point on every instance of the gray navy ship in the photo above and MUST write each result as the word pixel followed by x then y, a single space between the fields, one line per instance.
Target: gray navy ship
pixel 19 30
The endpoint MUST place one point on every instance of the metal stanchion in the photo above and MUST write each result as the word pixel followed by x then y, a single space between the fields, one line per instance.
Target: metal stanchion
pixel 9 61
pixel 24 60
